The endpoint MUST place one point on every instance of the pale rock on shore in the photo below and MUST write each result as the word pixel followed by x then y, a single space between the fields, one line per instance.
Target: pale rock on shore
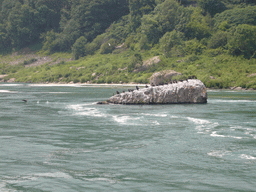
pixel 191 91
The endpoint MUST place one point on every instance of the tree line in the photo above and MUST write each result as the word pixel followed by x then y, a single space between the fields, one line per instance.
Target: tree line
pixel 177 27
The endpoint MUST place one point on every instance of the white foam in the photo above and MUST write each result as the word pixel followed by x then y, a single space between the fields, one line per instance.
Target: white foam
pixel 83 110
pixel 18 179
pixel 214 134
pixel 230 101
pixel 53 175
pixel 198 121
pixel 217 153
pixel 5 91
pixel 235 137
pixel 156 123
pixel 244 156
pixel 155 115
pixel 127 120
pixel 203 126
pixel 101 179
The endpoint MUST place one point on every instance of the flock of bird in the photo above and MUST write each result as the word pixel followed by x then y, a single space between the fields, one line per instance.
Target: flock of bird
pixel 171 82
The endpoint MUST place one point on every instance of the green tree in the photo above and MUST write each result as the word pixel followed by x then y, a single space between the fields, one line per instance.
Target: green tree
pixel 138 8
pixel 236 16
pixel 21 25
pixel 198 26
pixel 78 49
pixel 151 28
pixel 171 40
pixel 243 41
pixel 212 6
pixel 49 40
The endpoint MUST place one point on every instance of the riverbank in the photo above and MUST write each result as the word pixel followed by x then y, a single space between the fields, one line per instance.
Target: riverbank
pixel 221 71
pixel 107 85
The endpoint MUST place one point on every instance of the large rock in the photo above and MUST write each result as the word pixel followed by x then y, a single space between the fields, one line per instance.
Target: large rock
pixel 161 77
pixel 191 91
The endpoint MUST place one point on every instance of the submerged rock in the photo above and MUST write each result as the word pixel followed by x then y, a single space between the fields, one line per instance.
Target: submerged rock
pixel 191 91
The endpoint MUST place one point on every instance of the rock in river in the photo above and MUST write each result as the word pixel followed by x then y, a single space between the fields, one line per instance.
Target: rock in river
pixel 190 91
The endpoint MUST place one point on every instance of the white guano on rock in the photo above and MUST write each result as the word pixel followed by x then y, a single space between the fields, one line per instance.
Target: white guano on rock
pixel 190 91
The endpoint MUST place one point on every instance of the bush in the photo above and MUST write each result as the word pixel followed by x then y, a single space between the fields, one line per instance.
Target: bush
pixel 32 60
pixel 219 39
pixel 194 47
pixel 90 48
pixel 108 46
pixel 144 43
pixel 136 59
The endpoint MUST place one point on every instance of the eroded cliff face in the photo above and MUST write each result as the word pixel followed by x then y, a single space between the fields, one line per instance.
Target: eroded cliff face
pixel 191 91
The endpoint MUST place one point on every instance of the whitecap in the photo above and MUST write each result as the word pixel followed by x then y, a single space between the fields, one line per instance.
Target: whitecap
pixel 18 179
pixel 214 134
pixel 155 115
pixel 127 120
pixel 156 123
pixel 244 156
pixel 5 91
pixel 101 179
pixel 235 137
pixel 91 112
pixel 217 153
pixel 53 175
pixel 203 125
pixel 229 101
pixel 198 121
pixel 83 110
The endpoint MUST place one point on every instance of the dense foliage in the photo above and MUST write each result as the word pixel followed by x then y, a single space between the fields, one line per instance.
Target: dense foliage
pixel 184 30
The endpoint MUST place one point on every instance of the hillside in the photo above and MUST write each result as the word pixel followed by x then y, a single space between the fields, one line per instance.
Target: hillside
pixel 114 41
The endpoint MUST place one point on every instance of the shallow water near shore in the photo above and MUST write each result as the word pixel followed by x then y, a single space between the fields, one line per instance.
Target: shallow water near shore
pixel 61 140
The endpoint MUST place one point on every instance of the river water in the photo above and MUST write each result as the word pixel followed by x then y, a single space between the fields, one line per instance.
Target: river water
pixel 60 140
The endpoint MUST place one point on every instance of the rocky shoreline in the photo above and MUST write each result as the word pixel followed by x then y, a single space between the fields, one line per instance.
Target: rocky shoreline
pixel 192 91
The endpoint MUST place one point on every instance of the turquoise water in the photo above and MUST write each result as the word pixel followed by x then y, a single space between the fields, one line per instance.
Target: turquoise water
pixel 60 140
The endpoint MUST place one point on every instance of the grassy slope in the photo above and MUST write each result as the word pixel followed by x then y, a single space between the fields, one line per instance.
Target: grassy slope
pixel 221 71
